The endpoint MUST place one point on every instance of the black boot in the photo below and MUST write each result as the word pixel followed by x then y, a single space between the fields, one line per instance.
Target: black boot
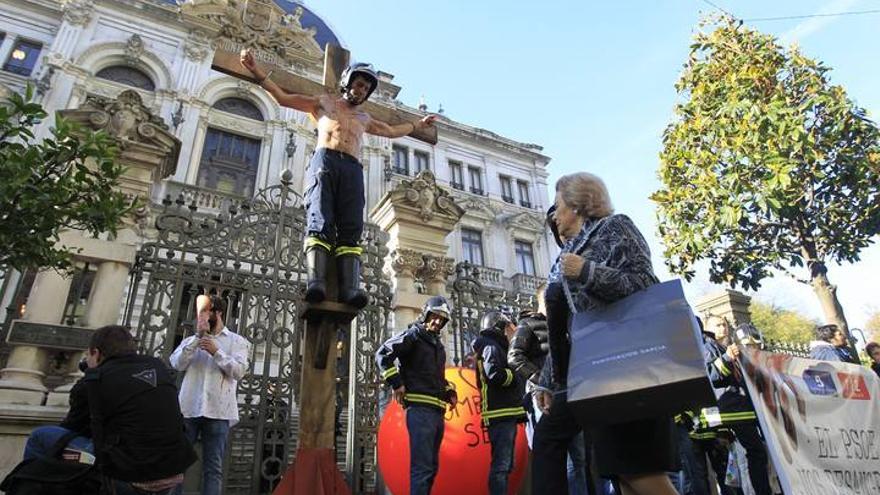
pixel 316 271
pixel 348 269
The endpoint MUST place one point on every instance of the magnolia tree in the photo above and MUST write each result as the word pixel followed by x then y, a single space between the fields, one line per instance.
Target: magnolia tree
pixel 66 181
pixel 766 168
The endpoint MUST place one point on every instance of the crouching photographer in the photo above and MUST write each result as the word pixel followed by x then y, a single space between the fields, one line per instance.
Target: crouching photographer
pixel 122 435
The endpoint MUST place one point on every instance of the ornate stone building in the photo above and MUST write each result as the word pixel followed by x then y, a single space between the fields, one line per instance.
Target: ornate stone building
pixel 235 139
pixel 141 69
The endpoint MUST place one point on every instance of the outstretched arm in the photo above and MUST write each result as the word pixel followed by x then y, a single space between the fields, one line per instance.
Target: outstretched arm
pixel 303 103
pixel 380 128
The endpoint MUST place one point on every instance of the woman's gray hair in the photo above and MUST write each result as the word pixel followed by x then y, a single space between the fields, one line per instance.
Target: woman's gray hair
pixel 586 194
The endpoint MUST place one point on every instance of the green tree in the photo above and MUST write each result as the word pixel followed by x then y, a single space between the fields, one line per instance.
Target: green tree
pixel 778 323
pixel 66 181
pixel 766 167
pixel 872 327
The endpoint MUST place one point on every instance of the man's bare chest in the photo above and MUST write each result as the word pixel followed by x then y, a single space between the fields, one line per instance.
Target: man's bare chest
pixel 333 118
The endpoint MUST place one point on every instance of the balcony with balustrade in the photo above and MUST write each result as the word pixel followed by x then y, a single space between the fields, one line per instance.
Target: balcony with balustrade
pixel 526 284
pixel 207 200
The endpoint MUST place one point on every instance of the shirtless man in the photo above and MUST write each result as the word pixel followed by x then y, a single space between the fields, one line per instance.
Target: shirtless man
pixel 335 178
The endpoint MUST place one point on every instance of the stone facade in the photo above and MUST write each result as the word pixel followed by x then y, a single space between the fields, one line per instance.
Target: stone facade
pixel 141 70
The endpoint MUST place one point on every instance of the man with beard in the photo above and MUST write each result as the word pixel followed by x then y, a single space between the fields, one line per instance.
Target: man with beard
pixel 214 360
pixel 413 364
pixel 335 178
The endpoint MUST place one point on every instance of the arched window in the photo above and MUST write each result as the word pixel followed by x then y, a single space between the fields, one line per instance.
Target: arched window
pixel 129 76
pixel 239 106
pixel 229 163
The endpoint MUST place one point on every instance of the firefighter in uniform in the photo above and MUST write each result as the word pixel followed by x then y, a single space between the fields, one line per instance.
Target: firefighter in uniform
pixel 735 410
pixel 704 440
pixel 500 395
pixel 413 363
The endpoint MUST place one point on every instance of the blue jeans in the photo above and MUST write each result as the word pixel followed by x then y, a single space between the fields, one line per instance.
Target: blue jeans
pixel 213 434
pixel 502 437
pixel 425 426
pixel 576 466
pixel 43 438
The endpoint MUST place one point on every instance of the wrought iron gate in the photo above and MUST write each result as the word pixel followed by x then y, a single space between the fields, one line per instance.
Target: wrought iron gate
pixel 251 254
pixel 470 300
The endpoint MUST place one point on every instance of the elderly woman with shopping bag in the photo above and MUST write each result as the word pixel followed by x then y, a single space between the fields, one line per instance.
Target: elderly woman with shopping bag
pixel 604 259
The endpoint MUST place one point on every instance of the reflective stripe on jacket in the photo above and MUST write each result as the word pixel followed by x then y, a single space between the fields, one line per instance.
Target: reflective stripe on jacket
pixel 500 390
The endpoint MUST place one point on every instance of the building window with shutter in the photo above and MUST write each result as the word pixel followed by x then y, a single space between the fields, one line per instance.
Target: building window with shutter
pixel 474 175
pixel 456 179
pixel 506 189
pixel 472 246
pixel 524 199
pixel 421 161
pixel 401 159
pixel 525 259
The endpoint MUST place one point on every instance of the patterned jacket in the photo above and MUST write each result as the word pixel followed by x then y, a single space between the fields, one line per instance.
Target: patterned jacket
pixel 617 264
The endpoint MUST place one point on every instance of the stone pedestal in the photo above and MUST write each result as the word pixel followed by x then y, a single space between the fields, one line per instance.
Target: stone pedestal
pixel 16 423
pixel 148 149
pixel 21 382
pixel 418 215
pixel 730 304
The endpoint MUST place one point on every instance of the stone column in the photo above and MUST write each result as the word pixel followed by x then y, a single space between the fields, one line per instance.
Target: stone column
pixel 732 305
pixel 21 382
pixel 418 215
pixel 104 305
pixel 102 308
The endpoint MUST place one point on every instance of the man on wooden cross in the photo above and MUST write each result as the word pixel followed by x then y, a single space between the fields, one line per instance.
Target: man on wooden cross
pixel 335 179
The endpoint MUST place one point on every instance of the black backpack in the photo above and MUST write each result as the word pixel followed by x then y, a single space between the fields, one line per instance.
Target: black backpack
pixel 51 475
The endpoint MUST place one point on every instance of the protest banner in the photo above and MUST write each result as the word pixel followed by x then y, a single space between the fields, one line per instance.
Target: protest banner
pixel 821 421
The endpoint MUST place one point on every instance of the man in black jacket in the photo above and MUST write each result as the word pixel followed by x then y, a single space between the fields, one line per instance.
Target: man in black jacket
pixel 419 385
pixel 135 429
pixel 500 395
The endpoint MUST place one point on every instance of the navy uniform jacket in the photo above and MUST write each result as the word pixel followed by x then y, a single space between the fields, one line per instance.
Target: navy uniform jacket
pixel 422 362
pixel 500 391
pixel 734 404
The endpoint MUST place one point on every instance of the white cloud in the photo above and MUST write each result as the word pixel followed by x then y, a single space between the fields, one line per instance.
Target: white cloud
pixel 809 26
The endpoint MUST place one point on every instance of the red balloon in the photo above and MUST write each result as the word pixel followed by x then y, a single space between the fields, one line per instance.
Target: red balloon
pixel 465 453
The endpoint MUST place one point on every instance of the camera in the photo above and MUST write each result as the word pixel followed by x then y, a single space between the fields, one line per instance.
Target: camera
pixel 83 364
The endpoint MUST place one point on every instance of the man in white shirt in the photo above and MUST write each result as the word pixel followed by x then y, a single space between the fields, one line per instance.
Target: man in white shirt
pixel 214 360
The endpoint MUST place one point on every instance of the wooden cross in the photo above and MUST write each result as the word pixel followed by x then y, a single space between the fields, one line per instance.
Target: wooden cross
pixel 335 61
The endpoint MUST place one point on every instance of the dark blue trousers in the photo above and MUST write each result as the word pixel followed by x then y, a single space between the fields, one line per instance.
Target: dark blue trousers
pixel 334 198
pixel 425 426
pixel 502 436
